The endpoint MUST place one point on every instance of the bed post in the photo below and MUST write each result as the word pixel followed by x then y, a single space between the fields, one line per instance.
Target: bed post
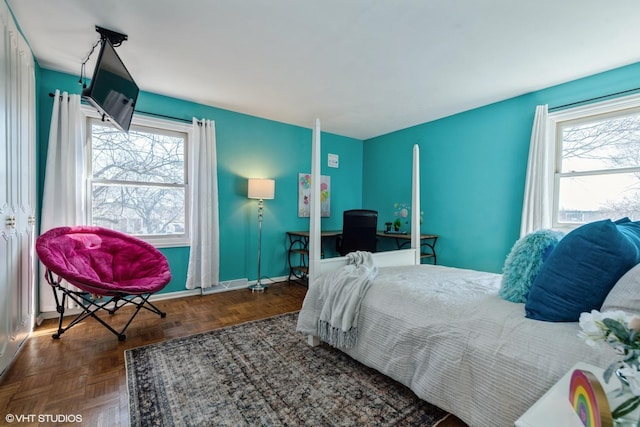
pixel 314 217
pixel 415 204
pixel 314 213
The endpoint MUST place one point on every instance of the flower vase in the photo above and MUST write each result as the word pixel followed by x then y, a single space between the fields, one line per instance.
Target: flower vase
pixel 618 397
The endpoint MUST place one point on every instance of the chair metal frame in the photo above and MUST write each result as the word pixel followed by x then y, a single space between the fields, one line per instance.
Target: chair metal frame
pixel 92 303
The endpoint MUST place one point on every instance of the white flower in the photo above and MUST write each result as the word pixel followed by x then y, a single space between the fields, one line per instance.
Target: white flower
pixel 593 329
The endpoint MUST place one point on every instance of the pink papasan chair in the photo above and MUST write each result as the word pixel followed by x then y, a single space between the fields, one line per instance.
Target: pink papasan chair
pixel 110 269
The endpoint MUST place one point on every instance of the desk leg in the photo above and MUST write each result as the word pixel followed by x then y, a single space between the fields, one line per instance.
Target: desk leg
pixel 403 243
pixel 298 257
pixel 427 247
pixel 430 245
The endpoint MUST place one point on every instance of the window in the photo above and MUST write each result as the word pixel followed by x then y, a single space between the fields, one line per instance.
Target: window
pixel 597 173
pixel 137 182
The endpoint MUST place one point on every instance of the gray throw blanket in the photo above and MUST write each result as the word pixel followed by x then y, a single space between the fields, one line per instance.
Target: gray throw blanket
pixel 342 292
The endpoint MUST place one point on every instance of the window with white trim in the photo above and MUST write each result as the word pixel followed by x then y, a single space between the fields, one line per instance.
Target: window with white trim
pixel 597 169
pixel 137 181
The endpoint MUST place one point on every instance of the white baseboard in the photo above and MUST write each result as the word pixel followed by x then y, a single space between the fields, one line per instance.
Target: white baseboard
pixel 231 285
pixel 271 280
pixel 228 285
pixel 173 295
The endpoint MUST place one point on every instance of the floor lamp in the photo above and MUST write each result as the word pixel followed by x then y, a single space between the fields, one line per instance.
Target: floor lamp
pixel 261 189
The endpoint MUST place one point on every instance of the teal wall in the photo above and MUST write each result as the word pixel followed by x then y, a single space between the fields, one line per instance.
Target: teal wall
pixel 473 169
pixel 247 147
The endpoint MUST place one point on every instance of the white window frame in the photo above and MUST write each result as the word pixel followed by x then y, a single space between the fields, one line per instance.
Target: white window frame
pixel 159 241
pixel 558 118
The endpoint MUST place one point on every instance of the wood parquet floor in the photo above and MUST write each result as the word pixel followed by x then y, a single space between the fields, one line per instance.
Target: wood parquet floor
pixel 83 373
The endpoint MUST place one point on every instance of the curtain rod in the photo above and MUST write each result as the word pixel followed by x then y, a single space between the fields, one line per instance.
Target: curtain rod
pixel 51 94
pixel 168 117
pixel 597 98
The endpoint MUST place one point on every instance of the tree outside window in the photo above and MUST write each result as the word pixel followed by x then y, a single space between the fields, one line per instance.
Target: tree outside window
pixel 137 180
pixel 598 168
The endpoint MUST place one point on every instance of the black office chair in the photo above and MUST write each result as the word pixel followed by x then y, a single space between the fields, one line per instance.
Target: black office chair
pixel 358 231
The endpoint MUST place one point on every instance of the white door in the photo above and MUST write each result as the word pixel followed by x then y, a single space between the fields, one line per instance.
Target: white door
pixel 17 189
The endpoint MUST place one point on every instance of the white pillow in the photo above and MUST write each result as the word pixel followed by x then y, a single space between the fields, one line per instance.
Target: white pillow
pixel 625 294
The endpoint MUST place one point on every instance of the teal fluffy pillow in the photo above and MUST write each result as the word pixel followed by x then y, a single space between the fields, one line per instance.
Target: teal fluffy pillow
pixel 524 261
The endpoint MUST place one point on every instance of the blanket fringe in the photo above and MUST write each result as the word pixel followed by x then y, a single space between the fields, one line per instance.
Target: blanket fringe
pixel 336 337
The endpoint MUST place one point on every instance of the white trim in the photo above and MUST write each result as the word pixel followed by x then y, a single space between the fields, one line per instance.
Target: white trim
pixel 226 285
pixel 157 297
pixel 596 108
pixel 142 120
pixel 159 241
pixel 234 285
pixel 613 107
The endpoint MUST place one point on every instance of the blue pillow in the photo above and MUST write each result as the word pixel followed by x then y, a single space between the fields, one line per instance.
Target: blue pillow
pixel 524 261
pixel 582 269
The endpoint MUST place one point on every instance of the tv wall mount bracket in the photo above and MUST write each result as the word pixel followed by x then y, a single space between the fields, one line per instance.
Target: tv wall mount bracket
pixel 114 37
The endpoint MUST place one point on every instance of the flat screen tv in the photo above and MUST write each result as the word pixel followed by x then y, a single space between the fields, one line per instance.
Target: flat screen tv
pixel 112 91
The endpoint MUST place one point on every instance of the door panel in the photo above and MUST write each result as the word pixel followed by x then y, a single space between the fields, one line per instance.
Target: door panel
pixel 17 189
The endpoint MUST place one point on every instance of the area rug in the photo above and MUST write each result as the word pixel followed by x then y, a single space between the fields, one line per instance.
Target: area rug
pixel 263 373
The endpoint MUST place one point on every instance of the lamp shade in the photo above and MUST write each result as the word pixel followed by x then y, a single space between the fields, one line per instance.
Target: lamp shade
pixel 260 188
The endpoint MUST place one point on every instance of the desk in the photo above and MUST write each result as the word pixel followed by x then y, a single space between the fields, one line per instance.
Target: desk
pixel 427 243
pixel 298 252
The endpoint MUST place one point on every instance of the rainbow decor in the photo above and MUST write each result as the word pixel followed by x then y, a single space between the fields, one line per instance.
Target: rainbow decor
pixel 589 400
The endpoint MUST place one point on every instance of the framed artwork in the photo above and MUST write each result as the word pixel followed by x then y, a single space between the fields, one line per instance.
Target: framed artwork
pixel 304 194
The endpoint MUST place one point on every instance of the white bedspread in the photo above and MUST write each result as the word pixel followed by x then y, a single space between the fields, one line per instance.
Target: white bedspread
pixel 446 334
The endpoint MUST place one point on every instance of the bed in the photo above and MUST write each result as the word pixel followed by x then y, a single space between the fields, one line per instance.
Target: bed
pixel 445 332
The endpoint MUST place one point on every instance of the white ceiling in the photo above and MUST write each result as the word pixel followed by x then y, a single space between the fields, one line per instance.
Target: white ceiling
pixel 364 67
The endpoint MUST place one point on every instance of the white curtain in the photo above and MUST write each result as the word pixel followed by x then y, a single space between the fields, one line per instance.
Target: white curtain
pixel 538 191
pixel 204 256
pixel 63 198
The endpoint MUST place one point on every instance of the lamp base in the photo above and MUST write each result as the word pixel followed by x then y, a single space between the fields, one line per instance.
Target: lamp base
pixel 258 287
